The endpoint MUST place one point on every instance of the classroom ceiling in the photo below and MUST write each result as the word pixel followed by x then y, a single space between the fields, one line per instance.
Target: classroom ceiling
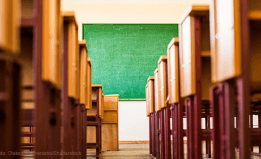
pixel 131 1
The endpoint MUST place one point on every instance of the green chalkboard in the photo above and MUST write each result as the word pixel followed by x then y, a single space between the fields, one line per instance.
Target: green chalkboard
pixel 123 56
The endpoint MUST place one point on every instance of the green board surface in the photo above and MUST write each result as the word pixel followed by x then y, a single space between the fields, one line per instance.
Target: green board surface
pixel 123 56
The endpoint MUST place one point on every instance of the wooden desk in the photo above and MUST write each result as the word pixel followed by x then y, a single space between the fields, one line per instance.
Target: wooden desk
pixel 110 135
pixel 227 43
pixel 41 78
pixel 151 109
pixel 94 117
pixel 70 80
pixel 175 99
pixel 173 70
pixel 10 25
pixel 236 63
pixel 157 111
pixel 195 75
pixel 81 108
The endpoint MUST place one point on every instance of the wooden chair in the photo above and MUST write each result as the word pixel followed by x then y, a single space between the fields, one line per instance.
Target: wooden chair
pixel 10 78
pixel 195 76
pixel 150 113
pixel 235 53
pixel 94 117
pixel 71 81
pixel 41 77
pixel 175 99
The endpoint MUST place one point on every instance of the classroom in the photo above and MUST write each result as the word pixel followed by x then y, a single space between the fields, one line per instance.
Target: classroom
pixel 145 79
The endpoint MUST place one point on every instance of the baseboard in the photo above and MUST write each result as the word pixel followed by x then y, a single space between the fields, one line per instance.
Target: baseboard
pixel 135 142
pixel 141 142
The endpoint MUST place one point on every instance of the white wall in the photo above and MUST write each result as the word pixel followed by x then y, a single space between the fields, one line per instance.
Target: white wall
pixel 133 123
pixel 126 13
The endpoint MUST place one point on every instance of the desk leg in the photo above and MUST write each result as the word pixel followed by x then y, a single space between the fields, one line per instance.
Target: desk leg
pixel 150 140
pixel 162 136
pixel 174 131
pixel 10 109
pixel 190 128
pixel 259 126
pixel 179 118
pixel 54 122
pixel 157 131
pixel 153 133
pixel 84 130
pixel 244 111
pixel 215 134
pixel 167 132
pixel 208 142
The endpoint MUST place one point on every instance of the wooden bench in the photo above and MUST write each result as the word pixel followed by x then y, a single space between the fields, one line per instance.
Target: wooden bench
pixel 175 99
pixel 10 77
pixel 195 75
pixel 235 54
pixel 94 116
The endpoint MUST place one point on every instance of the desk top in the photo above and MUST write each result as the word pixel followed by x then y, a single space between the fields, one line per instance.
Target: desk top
pixel 97 85
pixel 174 41
pixel 195 10
pixel 162 58
pixel 150 78
pixel 83 43
pixel 70 16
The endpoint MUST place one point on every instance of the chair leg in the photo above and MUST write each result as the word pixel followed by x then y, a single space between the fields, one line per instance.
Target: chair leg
pixel 167 132
pixel 190 128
